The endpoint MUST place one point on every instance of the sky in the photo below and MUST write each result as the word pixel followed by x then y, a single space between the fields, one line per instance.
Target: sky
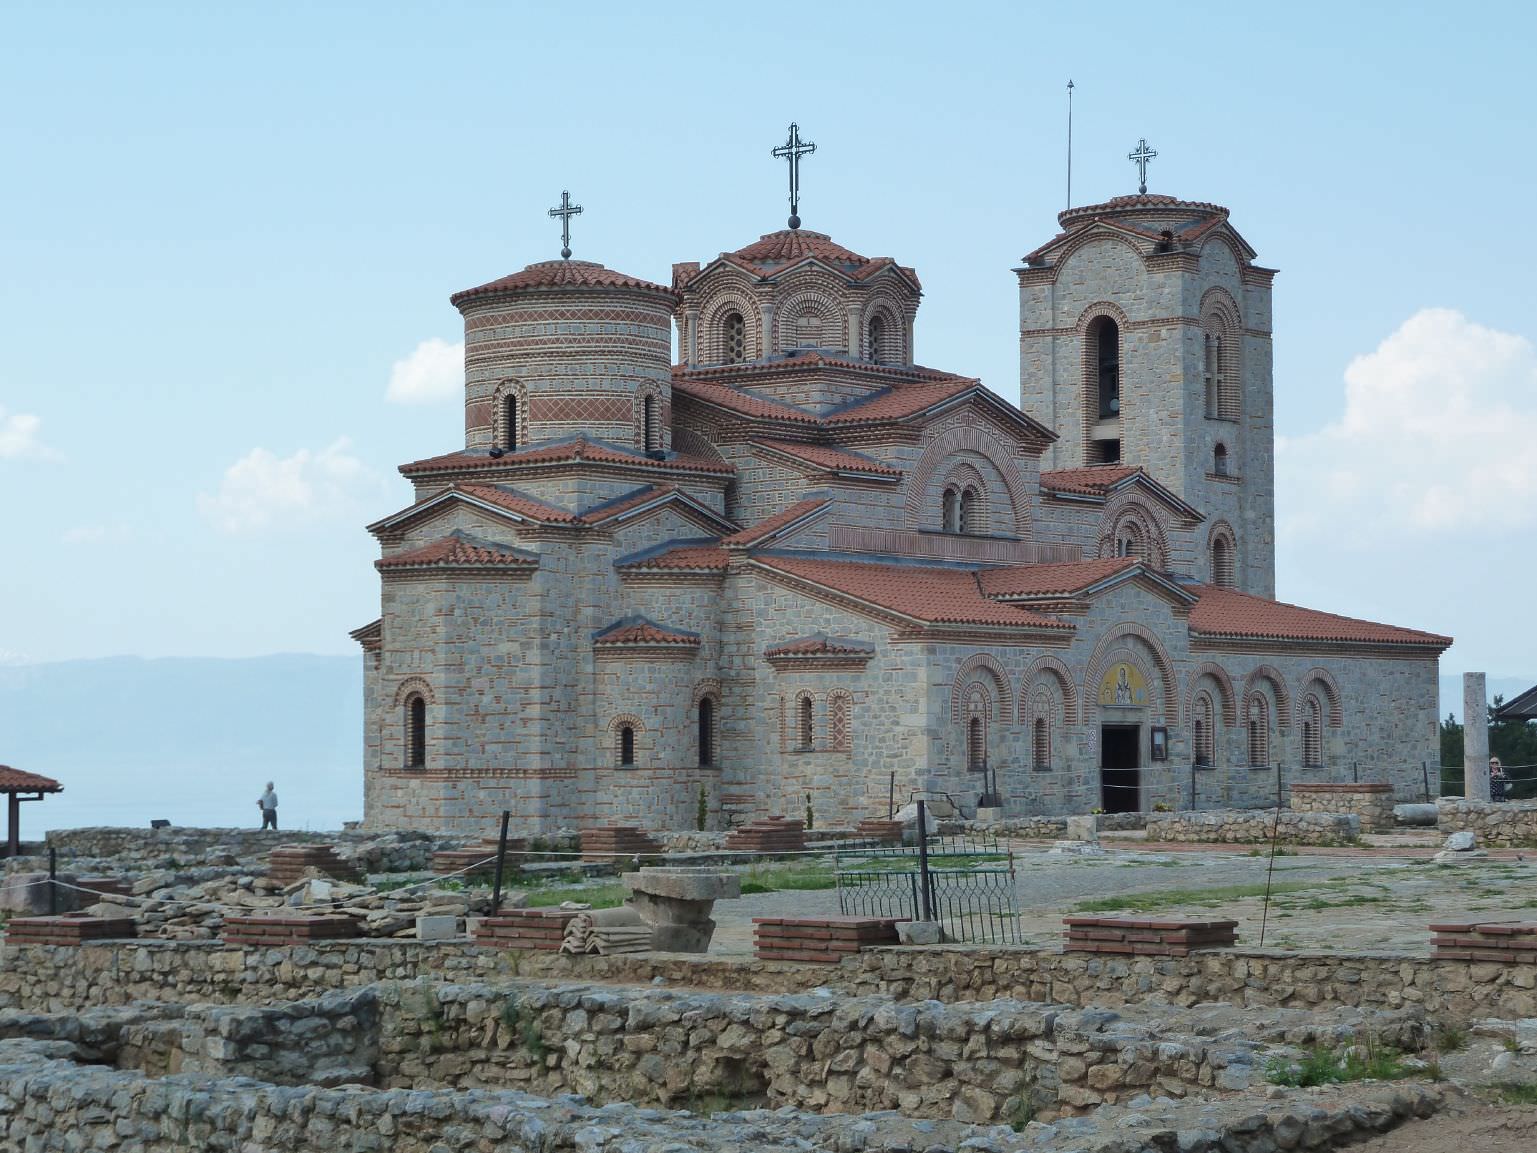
pixel 228 235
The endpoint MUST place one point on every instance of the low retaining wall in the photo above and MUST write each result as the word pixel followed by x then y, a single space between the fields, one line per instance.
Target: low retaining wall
pixel 1372 803
pixel 1492 822
pixel 1254 826
pixel 135 848
pixel 60 979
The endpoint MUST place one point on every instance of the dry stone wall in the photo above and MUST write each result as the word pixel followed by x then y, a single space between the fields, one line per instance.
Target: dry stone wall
pixel 1246 826
pixel 1491 822
pixel 128 849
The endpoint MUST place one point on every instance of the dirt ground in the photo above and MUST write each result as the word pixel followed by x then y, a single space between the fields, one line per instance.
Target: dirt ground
pixel 1464 1126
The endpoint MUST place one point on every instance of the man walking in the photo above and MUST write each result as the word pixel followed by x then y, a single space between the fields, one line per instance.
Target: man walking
pixel 268 803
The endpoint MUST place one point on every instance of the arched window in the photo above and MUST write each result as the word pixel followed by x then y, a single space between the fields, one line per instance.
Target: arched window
pixel 626 744
pixel 416 731
pixel 1259 732
pixel 976 744
pixel 1107 366
pixel 969 519
pixel 877 331
pixel 1219 460
pixel 1222 562
pixel 950 519
pixel 1213 375
pixel 805 722
pixel 734 338
pixel 808 330
pixel 510 429
pixel 1040 743
pixel 1205 719
pixel 706 732
pixel 1312 733
pixel 651 423
pixel 1129 542
pixel 839 731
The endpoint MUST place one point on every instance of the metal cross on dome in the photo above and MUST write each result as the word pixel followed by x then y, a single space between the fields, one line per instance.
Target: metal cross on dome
pixel 792 150
pixel 566 211
pixel 1140 155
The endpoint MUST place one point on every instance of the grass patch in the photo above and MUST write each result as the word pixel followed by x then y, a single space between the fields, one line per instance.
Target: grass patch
pixel 1159 899
pixel 599 894
pixel 1515 1093
pixel 1449 1039
pixel 1322 1065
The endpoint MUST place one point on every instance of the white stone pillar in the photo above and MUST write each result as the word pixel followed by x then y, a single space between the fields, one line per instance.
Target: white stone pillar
pixel 690 351
pixel 1475 737
pixel 766 335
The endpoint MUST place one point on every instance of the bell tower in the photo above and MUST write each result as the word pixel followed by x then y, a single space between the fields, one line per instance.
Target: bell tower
pixel 1144 339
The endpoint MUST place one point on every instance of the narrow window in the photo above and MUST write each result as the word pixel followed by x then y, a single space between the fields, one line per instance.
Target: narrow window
pixel 626 744
pixel 1040 744
pixel 976 744
pixel 1128 541
pixel 1259 733
pixel 1222 562
pixel 706 731
pixel 951 514
pixel 874 345
pixel 839 736
pixel 1312 735
pixel 416 731
pixel 808 330
pixel 734 338
pixel 1219 460
pixel 807 722
pixel 1212 371
pixel 1108 368
pixel 969 520
pixel 1204 734
pixel 510 428
pixel 651 426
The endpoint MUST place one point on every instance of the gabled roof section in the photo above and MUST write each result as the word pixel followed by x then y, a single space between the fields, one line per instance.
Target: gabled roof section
pixel 498 500
pixel 1227 613
pixel 911 401
pixel 642 632
pixel 820 645
pixel 1099 482
pixel 678 556
pixel 795 517
pixel 370 636
pixel 1072 580
pixel 777 252
pixel 578 450
pixel 459 550
pixel 653 498
pixel 1522 707
pixel 923 594
pixel 829 458
pixel 17 781
pixel 556 275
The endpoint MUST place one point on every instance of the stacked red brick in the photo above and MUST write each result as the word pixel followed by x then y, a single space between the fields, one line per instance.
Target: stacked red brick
pixel 881 832
pixel 105 887
pixel 478 860
pixel 824 939
pixel 278 931
pixel 75 930
pixel 608 842
pixel 289 863
pixel 771 835
pixel 524 929
pixel 1508 942
pixel 1149 938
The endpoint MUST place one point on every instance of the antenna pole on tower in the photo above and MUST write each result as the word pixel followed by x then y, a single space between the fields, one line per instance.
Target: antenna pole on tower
pixel 1069 143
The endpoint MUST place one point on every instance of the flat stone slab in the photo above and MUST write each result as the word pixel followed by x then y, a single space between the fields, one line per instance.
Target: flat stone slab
pixel 685 884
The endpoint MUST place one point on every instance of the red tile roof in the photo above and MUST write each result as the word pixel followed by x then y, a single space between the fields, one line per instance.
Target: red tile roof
pixel 1092 480
pixel 904 400
pixel 525 506
pixel 688 558
pixel 1228 613
pixel 558 274
pixel 776 251
pixel 1040 580
pixel 624 504
pixel 830 457
pixel 807 360
pixel 457 551
pixel 739 400
pixel 639 631
pixel 578 450
pixel 17 781
pixel 752 534
pixel 930 594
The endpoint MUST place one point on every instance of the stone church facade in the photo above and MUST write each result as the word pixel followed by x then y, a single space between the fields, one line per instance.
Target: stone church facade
pixel 798 567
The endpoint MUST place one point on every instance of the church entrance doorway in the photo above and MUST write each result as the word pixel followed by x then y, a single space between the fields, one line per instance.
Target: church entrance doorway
pixel 1120 777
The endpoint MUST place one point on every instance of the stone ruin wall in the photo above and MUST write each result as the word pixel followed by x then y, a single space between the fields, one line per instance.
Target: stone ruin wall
pixel 1496 823
pixel 42 978
pixel 1254 826
pixel 1371 803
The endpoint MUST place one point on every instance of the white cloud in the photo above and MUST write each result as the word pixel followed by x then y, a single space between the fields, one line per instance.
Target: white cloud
pixel 433 371
pixel 262 488
pixel 1437 438
pixel 18 437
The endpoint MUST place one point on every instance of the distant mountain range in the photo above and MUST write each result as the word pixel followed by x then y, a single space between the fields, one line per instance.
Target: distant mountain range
pixel 193 740
pixel 190 740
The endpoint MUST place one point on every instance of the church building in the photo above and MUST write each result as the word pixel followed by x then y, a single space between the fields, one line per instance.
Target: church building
pixel 797 567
